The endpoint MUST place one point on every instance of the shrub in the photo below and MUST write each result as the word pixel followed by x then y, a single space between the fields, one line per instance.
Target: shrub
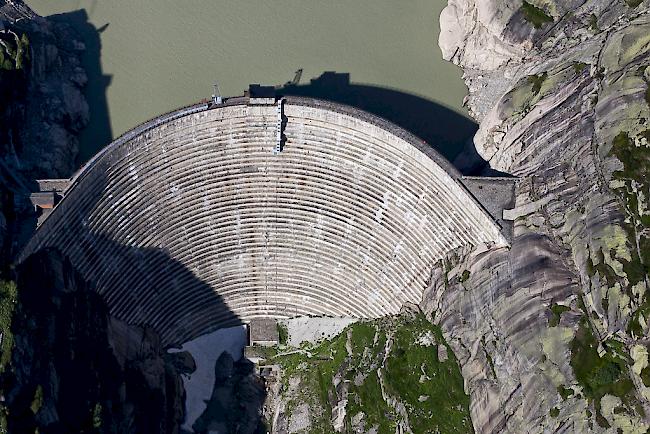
pixel 8 296
pixel 534 15
pixel 283 334
pixel 537 81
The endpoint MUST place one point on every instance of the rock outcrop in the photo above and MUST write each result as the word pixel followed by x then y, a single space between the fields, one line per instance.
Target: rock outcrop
pixel 393 374
pixel 42 110
pixel 550 333
pixel 47 109
pixel 237 399
pixel 75 368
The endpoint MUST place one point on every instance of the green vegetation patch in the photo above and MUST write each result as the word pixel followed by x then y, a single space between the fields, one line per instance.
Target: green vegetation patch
pixel 8 299
pixel 37 401
pixel 14 51
pixel 557 310
pixel 537 81
pixel 578 67
pixel 464 276
pixel 283 334
pixel 430 389
pixel 605 270
pixel 645 376
pixel 367 398
pixel 634 176
pixel 97 416
pixel 636 167
pixel 634 326
pixel 534 15
pixel 447 406
pixel 565 392
pixel 598 375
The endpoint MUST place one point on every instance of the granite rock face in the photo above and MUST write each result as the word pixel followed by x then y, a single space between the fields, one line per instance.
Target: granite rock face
pixel 47 109
pixel 551 332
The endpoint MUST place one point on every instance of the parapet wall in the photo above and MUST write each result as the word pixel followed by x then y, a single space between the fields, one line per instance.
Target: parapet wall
pixel 189 222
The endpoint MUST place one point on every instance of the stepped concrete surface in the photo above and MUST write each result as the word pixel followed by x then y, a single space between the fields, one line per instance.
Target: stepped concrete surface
pixel 189 222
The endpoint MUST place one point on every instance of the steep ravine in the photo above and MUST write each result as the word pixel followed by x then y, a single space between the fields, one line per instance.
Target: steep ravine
pixel 552 333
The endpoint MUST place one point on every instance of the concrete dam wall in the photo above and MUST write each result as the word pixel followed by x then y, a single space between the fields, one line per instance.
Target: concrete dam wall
pixel 191 222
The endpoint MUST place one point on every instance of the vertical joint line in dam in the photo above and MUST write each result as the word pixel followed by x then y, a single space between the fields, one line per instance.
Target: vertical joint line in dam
pixel 276 151
pixel 301 252
pixel 278 128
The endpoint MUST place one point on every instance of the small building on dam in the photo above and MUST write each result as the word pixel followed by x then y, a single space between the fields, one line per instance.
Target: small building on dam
pixel 264 207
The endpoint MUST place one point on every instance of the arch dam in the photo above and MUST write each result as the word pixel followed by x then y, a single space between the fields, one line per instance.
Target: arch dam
pixel 260 207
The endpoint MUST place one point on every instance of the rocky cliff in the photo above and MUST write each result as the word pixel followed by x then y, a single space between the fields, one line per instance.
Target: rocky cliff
pixel 66 364
pixel 74 368
pixel 42 109
pixel 551 332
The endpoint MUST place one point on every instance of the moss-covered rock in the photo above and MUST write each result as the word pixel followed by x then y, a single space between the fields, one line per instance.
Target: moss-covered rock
pixel 380 374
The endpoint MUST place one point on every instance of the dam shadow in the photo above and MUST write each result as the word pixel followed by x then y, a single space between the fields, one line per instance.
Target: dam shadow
pixel 447 131
pixel 147 287
pixel 98 133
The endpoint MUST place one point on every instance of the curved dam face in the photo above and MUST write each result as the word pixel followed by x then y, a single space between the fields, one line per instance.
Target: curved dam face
pixel 191 222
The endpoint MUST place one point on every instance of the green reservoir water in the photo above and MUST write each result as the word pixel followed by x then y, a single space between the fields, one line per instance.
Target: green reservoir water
pixel 162 54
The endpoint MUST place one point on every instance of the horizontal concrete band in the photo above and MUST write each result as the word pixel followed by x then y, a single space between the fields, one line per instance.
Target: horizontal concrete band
pixel 189 222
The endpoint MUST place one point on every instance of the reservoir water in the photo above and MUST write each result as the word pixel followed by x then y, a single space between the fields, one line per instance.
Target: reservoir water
pixel 162 54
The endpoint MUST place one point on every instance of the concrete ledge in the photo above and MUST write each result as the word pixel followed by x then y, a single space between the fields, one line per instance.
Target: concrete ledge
pixel 496 195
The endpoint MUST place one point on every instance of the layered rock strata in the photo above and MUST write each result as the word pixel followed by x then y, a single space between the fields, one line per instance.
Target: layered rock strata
pixel 551 333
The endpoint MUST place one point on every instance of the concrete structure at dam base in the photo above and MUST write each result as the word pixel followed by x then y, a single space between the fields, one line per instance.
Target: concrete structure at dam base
pixel 264 207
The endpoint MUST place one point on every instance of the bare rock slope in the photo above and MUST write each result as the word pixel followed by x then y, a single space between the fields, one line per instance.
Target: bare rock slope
pixel 552 333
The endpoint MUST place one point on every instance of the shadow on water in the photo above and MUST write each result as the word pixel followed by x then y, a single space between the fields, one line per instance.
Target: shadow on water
pixel 237 396
pixel 445 130
pixel 98 132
